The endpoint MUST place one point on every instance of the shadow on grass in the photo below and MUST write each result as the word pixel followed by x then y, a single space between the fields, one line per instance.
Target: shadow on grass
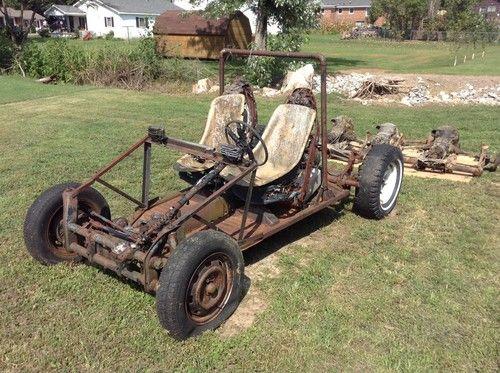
pixel 293 233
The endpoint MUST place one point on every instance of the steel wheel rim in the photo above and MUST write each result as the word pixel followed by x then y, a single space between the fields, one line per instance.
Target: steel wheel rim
pixel 209 288
pixel 391 183
pixel 54 233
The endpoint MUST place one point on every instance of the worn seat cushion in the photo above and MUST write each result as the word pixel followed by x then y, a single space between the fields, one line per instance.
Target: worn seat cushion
pixel 286 137
pixel 223 110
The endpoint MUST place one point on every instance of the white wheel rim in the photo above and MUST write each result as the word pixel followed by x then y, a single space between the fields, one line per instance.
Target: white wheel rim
pixel 391 183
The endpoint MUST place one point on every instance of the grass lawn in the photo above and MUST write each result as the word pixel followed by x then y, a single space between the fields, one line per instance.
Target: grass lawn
pixel 417 291
pixel 404 57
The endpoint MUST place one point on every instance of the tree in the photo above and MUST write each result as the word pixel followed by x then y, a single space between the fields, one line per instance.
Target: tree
pixel 289 15
pixel 19 34
pixel 401 15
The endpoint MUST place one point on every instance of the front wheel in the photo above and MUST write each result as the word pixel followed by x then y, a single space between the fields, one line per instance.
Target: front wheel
pixel 43 227
pixel 380 178
pixel 201 284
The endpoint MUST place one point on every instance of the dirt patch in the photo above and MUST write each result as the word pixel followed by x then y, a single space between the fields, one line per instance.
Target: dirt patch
pixel 254 302
pixel 252 305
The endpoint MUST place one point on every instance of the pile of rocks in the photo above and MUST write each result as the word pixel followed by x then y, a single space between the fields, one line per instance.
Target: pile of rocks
pixel 205 86
pixel 418 95
pixel 346 84
pixel 352 84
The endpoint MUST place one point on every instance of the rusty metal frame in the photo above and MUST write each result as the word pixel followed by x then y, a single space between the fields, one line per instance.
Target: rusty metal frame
pixel 161 231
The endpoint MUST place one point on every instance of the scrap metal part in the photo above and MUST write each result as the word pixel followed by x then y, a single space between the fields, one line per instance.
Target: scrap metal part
pixel 440 152
pixel 303 97
pixel 388 133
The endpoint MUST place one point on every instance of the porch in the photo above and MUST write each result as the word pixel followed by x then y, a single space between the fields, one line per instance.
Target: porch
pixel 66 18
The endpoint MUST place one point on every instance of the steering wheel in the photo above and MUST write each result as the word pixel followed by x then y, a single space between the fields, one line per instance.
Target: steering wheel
pixel 243 136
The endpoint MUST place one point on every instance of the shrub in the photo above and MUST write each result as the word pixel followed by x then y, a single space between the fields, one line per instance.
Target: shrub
pixel 269 71
pixel 6 51
pixel 132 65
pixel 337 27
pixel 44 32
pixel 110 35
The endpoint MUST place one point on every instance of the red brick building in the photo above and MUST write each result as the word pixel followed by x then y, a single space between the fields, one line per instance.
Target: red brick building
pixel 354 12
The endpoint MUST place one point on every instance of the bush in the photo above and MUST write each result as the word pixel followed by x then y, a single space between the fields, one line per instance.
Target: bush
pixel 269 71
pixel 132 65
pixel 337 27
pixel 6 51
pixel 44 32
pixel 110 35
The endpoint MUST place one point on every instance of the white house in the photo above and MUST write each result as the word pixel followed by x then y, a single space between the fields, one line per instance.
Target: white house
pixel 126 18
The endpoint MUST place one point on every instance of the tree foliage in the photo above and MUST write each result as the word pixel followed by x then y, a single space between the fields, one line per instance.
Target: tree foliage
pixel 455 16
pixel 19 34
pixel 289 15
pixel 401 15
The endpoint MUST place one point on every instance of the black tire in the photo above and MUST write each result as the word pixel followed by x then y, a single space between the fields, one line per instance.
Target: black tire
pixel 187 269
pixel 370 202
pixel 42 226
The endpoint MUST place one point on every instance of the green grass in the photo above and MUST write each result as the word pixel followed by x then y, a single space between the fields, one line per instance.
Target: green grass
pixel 17 89
pixel 417 291
pixel 404 57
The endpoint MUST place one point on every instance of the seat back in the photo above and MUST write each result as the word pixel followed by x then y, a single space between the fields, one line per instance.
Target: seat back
pixel 286 137
pixel 223 110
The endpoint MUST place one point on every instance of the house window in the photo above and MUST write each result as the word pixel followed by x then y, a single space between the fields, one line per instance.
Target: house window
pixel 340 10
pixel 141 22
pixel 109 22
pixel 351 10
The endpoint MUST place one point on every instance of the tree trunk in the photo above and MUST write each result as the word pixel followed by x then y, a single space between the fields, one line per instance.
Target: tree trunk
pixel 261 30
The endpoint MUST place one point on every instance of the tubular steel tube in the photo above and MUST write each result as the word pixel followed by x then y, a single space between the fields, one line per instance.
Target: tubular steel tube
pixel 247 205
pixel 107 263
pixel 324 134
pixel 103 240
pixel 105 169
pixel 146 174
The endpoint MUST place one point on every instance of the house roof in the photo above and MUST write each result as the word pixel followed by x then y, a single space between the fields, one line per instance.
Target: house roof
pixel 148 7
pixel 346 3
pixel 16 13
pixel 66 10
pixel 179 22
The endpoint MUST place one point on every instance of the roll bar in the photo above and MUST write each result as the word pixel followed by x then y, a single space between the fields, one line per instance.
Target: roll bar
pixel 323 99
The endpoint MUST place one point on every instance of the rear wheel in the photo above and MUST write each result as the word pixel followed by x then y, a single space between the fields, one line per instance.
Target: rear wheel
pixel 43 228
pixel 380 178
pixel 200 286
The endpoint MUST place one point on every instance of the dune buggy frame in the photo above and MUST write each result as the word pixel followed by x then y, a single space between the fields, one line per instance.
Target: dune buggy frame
pixel 156 222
